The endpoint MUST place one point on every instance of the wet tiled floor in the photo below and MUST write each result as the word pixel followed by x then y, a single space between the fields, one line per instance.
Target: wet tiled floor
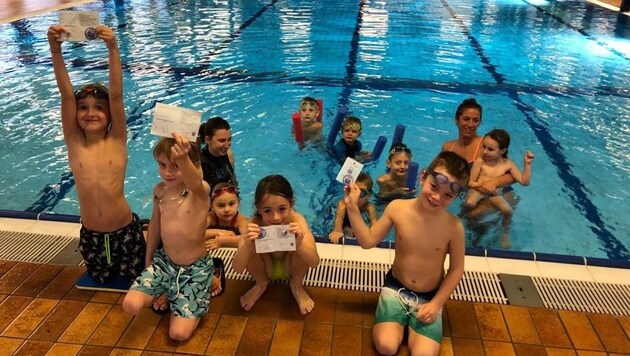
pixel 41 312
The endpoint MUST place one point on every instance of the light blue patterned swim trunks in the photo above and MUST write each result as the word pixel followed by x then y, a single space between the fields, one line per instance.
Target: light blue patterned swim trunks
pixel 187 287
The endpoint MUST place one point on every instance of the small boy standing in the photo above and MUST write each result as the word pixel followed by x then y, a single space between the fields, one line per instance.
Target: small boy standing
pixel 182 268
pixel 416 287
pixel 309 111
pixel 349 145
pixel 95 132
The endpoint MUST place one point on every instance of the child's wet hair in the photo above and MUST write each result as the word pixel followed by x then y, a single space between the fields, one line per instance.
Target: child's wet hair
pixel 351 121
pixel 365 179
pixel 272 185
pixel 211 126
pixel 502 138
pixel 165 144
pixel 396 149
pixel 310 101
pixel 469 103
pixel 218 189
pixel 455 165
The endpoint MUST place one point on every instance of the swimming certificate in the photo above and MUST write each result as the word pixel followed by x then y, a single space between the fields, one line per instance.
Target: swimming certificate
pixel 349 171
pixel 169 118
pixel 81 24
pixel 275 238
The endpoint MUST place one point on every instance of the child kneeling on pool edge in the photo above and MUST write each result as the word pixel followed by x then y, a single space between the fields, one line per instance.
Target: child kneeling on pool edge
pixel 416 287
pixel 182 268
pixel 274 204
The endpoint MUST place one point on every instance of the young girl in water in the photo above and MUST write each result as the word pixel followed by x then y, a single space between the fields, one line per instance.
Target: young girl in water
pixel 393 184
pixel 494 162
pixel 224 225
pixel 274 204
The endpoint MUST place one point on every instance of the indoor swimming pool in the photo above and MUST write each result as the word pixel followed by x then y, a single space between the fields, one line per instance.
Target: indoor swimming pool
pixel 555 74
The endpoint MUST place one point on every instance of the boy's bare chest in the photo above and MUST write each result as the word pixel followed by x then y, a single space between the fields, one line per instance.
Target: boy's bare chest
pixel 97 160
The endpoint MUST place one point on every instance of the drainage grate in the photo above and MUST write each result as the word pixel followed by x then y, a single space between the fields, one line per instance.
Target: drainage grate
pixel 30 247
pixel 584 296
pixel 480 287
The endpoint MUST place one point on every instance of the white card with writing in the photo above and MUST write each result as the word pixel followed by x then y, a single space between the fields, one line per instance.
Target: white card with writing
pixel 169 118
pixel 275 238
pixel 349 171
pixel 81 24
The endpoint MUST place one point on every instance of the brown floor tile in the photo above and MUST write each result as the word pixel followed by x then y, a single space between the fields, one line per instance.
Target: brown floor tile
pixel 520 325
pixel 446 322
pixel 160 341
pixel 555 351
pixel 610 333
pixel 14 277
pixel 529 350
pixel 227 335
pixel 30 348
pixel 63 282
pixel 349 308
pixel 496 348
pixel 105 297
pixel 367 343
pixel 550 328
pixel 91 350
pixel 198 343
pixel 10 308
pixel 345 340
pixel 580 331
pixel 217 304
pixel 111 329
pixel 30 318
pixel 155 353
pixel 79 295
pixel 85 323
pixel 317 339
pixel 64 350
pixel 234 293
pixel 140 329
pixel 270 303
pixel 5 266
pixel 37 281
pixel 491 323
pixel 446 347
pixel 125 352
pixel 256 338
pixel 3 297
pixel 59 319
pixel 591 353
pixel 466 346
pixel 325 304
pixel 286 338
pixel 462 319
pixel 8 345
pixel 624 321
pixel 370 301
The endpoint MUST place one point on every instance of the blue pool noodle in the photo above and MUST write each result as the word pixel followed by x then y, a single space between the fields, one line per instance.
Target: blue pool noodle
pixel 336 126
pixel 378 148
pixel 399 132
pixel 412 175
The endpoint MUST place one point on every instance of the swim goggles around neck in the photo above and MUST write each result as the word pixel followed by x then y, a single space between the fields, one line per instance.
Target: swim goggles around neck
pixel 217 192
pixel 95 92
pixel 442 179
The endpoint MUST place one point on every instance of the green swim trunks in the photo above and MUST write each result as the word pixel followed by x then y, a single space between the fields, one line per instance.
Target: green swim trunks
pixel 278 273
pixel 399 304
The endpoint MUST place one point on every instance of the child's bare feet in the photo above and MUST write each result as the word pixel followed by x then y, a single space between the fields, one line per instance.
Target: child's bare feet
pixel 305 303
pixel 160 305
pixel 505 240
pixel 251 297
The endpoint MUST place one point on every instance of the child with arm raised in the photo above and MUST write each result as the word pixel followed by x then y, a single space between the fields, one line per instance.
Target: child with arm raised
pixel 274 204
pixel 492 164
pixel 341 223
pixel 416 287
pixel 182 268
pixel 95 132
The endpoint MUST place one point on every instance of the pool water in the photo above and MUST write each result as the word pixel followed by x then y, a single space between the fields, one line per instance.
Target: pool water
pixel 555 74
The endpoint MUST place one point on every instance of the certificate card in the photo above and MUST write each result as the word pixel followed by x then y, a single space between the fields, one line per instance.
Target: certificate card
pixel 349 171
pixel 81 24
pixel 169 118
pixel 275 238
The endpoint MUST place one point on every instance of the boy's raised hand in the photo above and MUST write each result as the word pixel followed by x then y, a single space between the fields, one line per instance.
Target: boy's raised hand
pixel 351 194
pixel 181 147
pixel 529 157
pixel 107 35
pixel 55 38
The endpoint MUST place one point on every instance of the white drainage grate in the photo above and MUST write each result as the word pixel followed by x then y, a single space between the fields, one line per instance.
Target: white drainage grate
pixel 30 247
pixel 480 287
pixel 584 296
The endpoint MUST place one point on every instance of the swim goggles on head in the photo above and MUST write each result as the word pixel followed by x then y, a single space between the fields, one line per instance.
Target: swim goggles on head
pixel 364 193
pixel 217 192
pixel 400 148
pixel 442 179
pixel 352 126
pixel 95 92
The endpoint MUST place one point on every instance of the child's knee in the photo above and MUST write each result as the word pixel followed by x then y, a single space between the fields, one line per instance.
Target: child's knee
pixel 132 304
pixel 386 345
pixel 180 334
